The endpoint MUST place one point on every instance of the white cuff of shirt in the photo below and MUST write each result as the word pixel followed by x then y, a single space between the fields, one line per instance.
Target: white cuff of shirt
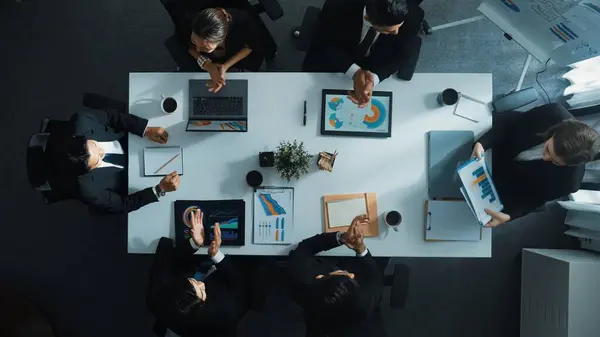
pixel 338 237
pixel 193 244
pixel 354 68
pixel 218 257
pixel 156 194
pixel 375 79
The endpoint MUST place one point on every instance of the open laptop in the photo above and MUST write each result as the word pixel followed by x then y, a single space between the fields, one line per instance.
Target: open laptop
pixel 224 111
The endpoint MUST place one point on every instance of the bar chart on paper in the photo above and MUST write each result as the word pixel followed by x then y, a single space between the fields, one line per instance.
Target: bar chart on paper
pixel 485 188
pixel 273 215
pixel 479 190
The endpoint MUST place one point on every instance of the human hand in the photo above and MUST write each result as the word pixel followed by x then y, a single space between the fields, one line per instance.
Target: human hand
pixel 170 182
pixel 217 75
pixel 498 218
pixel 478 151
pixel 216 242
pixel 364 82
pixel 157 134
pixel 197 228
pixel 353 237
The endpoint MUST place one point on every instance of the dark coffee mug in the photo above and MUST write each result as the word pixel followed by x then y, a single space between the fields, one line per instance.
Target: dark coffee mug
pixel 168 105
pixel 448 97
pixel 392 219
pixel 254 178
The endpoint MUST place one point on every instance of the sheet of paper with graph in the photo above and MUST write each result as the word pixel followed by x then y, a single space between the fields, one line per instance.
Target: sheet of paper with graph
pixel 479 190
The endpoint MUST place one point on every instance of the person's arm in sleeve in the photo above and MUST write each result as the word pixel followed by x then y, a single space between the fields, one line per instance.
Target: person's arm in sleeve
pixel 112 202
pixel 226 270
pixel 316 244
pixel 120 122
pixel 166 262
pixel 252 44
pixel 369 277
pixel 301 257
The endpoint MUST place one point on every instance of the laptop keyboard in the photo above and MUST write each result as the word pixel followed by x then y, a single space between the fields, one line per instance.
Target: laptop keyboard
pixel 218 106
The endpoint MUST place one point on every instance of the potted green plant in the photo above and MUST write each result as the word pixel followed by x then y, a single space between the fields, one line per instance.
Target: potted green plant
pixel 292 160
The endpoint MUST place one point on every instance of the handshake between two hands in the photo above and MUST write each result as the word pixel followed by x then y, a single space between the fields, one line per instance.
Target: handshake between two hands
pixel 353 237
pixel 498 218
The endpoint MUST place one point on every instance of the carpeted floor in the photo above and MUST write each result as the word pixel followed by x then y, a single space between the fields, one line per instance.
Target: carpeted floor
pixel 76 266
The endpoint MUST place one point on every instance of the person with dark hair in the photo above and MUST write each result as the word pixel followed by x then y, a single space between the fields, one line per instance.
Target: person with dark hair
pixel 89 161
pixel 219 39
pixel 368 40
pixel 336 300
pixel 538 156
pixel 188 300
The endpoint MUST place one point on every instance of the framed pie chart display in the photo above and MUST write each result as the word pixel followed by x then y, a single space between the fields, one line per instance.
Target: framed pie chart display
pixel 342 117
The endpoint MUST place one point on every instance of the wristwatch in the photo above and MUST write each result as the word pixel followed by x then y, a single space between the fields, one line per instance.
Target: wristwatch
pixel 201 61
pixel 159 191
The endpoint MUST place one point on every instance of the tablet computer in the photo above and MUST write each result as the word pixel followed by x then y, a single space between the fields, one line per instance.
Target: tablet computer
pixel 341 117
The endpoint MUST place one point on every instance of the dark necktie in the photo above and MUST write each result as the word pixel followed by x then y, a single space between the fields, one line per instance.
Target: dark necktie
pixel 115 159
pixel 367 41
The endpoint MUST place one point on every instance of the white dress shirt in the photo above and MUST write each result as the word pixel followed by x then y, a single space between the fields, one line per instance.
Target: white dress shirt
pixel 215 259
pixel 355 67
pixel 113 147
pixel 534 153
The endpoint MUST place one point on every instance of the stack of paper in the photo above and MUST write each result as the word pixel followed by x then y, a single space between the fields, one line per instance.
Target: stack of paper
pixel 479 190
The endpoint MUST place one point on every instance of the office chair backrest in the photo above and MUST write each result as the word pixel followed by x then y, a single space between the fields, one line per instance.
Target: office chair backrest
pixel 36 162
pixel 39 168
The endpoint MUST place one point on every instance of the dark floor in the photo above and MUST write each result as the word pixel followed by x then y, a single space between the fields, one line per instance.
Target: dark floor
pixel 77 267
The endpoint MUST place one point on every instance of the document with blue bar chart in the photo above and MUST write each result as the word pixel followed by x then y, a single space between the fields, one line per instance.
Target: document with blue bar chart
pixel 479 190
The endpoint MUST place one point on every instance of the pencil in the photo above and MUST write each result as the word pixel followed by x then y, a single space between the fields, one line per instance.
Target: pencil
pixel 167 163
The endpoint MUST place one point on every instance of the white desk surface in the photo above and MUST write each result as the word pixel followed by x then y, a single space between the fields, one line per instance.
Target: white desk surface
pixel 215 164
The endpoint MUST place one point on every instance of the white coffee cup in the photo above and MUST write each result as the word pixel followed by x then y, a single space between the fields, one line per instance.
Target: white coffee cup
pixel 168 104
pixel 393 219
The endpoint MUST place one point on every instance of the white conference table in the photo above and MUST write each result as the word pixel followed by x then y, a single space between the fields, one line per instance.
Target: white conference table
pixel 216 164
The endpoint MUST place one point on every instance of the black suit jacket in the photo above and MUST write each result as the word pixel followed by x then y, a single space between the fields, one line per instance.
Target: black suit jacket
pixel 106 188
pixel 338 33
pixel 304 268
pixel 524 186
pixel 225 299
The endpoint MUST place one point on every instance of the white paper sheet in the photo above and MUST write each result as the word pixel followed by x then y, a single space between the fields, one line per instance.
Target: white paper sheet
pixel 156 157
pixel 341 213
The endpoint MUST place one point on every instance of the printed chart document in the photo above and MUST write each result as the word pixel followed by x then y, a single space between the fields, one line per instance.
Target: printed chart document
pixel 273 216
pixel 479 190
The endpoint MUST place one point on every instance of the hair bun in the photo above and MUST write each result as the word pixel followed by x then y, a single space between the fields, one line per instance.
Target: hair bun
pixel 225 14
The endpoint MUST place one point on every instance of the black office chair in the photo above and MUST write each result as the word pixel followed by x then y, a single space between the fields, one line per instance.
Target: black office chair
pixel 38 170
pixel 305 33
pixel 175 7
pixel 399 283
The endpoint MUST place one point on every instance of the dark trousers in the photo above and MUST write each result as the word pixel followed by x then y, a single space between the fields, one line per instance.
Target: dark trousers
pixel 326 59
